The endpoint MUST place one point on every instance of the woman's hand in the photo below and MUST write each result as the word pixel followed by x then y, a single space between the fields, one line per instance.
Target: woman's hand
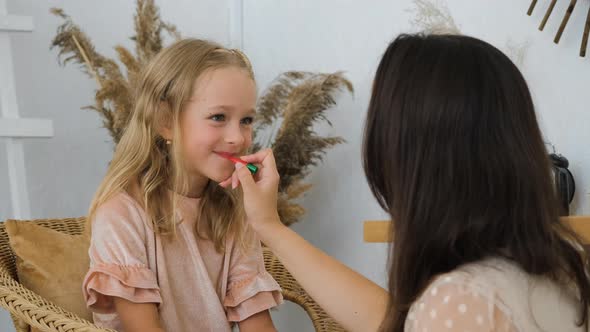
pixel 260 190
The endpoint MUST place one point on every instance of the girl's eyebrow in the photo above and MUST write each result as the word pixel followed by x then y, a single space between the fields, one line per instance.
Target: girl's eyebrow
pixel 231 108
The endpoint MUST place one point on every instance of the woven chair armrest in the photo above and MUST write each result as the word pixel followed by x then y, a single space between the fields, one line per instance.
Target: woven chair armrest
pixel 293 292
pixel 36 311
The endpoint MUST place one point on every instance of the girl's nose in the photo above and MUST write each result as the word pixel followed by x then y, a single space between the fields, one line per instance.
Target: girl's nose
pixel 234 135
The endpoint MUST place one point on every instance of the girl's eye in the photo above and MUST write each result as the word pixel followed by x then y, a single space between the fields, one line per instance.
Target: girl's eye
pixel 218 117
pixel 247 121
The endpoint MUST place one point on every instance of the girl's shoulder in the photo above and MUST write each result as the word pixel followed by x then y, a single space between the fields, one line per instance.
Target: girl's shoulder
pixel 121 210
pixel 120 203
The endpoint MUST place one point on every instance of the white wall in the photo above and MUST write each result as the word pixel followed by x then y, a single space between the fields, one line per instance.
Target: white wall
pixel 313 35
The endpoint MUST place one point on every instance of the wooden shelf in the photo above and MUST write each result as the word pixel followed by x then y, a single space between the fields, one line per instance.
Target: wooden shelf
pixel 378 231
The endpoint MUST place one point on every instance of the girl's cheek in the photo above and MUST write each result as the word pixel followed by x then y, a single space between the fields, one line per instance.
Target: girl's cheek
pixel 200 138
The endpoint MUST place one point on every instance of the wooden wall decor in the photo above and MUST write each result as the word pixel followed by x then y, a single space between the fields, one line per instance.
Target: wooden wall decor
pixel 564 21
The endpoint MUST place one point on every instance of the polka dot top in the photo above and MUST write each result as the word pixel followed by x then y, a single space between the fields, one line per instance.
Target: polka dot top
pixel 493 295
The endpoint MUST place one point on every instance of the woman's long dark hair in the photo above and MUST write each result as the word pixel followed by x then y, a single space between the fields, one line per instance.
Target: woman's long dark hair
pixel 452 150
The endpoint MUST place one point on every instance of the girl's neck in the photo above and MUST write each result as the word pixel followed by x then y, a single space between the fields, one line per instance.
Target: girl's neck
pixel 197 185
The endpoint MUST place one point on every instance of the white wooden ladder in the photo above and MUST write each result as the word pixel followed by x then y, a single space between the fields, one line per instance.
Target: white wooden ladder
pixel 13 128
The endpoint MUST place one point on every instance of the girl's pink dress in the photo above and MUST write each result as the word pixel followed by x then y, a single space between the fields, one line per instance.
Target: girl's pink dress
pixel 196 287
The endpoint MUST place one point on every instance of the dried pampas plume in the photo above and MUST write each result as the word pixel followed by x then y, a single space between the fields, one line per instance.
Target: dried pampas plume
pixel 292 104
pixel 299 99
pixel 433 17
pixel 113 98
pixel 517 51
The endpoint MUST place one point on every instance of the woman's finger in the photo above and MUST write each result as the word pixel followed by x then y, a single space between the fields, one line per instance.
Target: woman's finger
pixel 225 183
pixel 258 157
pixel 234 180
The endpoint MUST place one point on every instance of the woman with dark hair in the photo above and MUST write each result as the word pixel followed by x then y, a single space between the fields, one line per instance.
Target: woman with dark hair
pixel 453 152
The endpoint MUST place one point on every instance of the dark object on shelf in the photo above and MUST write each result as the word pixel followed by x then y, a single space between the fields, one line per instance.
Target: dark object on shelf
pixel 565 185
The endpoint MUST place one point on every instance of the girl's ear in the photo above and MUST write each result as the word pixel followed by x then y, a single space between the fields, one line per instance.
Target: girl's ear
pixel 164 121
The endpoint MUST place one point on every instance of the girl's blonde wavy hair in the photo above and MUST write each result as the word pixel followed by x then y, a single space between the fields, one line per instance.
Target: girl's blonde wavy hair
pixel 147 168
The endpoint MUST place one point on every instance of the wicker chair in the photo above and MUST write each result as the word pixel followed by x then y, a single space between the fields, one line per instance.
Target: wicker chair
pixel 29 309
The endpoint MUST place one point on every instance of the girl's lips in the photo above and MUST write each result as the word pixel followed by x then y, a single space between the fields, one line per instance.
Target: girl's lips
pixel 252 168
pixel 225 154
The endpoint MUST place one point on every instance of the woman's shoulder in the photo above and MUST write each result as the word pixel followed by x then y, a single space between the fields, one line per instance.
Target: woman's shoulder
pixel 474 278
pixel 460 300
pixel 500 285
pixel 493 277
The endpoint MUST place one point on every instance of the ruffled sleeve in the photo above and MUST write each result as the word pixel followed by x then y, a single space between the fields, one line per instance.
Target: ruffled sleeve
pixel 250 288
pixel 118 258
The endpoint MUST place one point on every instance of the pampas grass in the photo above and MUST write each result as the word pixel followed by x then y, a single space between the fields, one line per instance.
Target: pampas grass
pixel 114 96
pixel 434 17
pixel 299 99
pixel 517 51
